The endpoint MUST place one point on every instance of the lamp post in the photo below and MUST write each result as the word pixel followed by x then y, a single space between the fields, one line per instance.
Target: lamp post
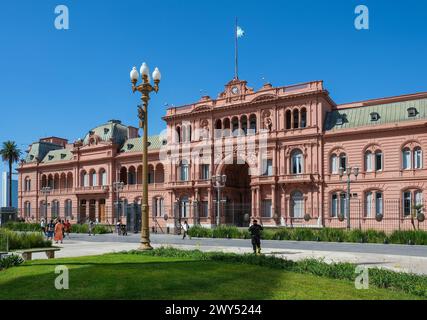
pixel 45 191
pixel 218 183
pixel 118 187
pixel 348 171
pixel 145 88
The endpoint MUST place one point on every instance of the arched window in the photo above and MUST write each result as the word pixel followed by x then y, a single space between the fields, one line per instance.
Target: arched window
pixel 69 180
pixel 68 208
pixel 296 119
pixel 297 162
pixel 373 203
pixel 288 124
pixel 218 128
pixel 334 205
pixel 297 205
pixel 94 179
pixel 56 181
pixel 244 124
pixel 132 175
pixel 150 174
pixel 27 209
pixel 407 203
pixel 184 170
pixel 343 161
pixel 227 131
pixel 252 123
pixel 55 209
pixel 185 207
pixel 369 160
pixel 103 176
pixel 378 160
pixel 334 164
pixel 178 134
pixel 84 179
pixel 27 186
pixel 160 173
pixel 418 158
pixel 158 207
pixel 411 200
pixel 406 159
pixel 235 126
pixel 303 118
pixel 124 175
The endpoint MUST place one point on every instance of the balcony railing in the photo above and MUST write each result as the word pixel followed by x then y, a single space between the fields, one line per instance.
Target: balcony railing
pixel 92 189
pixel 298 178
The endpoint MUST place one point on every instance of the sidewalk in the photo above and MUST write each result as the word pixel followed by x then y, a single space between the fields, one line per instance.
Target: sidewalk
pixel 413 264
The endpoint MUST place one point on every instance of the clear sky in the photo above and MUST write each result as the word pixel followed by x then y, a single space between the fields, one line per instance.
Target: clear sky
pixel 65 82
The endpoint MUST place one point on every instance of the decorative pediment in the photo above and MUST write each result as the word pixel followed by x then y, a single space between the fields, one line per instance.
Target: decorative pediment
pixel 267 96
pixel 202 108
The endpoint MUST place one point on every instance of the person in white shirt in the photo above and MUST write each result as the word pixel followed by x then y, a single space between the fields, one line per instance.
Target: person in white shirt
pixel 185 228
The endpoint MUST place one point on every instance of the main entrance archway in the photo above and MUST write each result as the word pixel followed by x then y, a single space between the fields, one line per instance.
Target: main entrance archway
pixel 237 194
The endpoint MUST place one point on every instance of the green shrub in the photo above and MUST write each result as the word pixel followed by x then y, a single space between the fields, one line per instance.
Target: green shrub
pixel 267 234
pixel 200 232
pixel 331 235
pixel 84 228
pixel 22 226
pixel 25 240
pixel 226 232
pixel 10 261
pixel 355 236
pixel 373 236
pixel 303 234
pixel 283 234
pixel 409 237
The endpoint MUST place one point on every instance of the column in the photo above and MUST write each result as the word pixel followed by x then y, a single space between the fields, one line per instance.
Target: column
pixel 273 200
pixel 253 194
pixel 210 213
pixel 258 201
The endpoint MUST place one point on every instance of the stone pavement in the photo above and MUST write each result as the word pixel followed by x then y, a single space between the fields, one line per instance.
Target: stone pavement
pixel 394 257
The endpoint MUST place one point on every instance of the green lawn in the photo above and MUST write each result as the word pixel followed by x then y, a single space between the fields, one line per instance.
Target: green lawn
pixel 124 276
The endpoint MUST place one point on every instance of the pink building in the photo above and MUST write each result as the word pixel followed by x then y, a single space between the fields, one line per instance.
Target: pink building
pixel 281 149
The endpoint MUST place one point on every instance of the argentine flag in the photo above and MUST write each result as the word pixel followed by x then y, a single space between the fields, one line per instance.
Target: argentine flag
pixel 239 32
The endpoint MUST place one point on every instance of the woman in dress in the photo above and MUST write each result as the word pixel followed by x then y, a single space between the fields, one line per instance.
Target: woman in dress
pixel 59 229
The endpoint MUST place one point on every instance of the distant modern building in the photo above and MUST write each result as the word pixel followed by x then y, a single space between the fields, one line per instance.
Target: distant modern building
pixel 4 201
pixel 298 177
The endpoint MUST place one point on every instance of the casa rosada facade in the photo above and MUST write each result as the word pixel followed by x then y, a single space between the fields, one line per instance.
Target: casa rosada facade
pixel 280 148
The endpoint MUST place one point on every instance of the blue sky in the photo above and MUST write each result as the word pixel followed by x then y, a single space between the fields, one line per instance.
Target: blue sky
pixel 63 83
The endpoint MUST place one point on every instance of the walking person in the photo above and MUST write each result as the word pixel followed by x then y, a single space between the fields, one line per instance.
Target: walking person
pixel 185 227
pixel 255 231
pixel 67 228
pixel 91 225
pixel 50 230
pixel 59 231
pixel 43 226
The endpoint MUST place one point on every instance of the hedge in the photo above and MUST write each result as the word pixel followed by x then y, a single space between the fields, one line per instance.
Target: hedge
pixel 417 237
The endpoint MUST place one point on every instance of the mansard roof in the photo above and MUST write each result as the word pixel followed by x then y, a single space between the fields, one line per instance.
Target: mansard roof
pixel 58 155
pixel 135 145
pixel 379 114
pixel 113 131
pixel 39 150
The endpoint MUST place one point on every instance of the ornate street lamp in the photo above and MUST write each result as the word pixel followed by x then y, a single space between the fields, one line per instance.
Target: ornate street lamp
pixel 348 171
pixel 218 183
pixel 118 187
pixel 45 191
pixel 145 88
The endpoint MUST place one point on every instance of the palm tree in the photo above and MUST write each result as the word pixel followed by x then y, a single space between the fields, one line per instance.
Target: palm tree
pixel 10 153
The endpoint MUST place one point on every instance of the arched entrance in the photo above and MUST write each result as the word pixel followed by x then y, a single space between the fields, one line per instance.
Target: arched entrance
pixel 237 194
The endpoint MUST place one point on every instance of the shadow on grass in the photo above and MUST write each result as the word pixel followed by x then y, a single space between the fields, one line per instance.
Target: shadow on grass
pixel 160 279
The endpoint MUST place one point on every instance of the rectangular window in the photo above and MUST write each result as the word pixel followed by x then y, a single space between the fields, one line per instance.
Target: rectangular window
pixel 407 159
pixel 150 177
pixel 378 203
pixel 266 209
pixel 343 162
pixel 184 172
pixel 204 212
pixel 104 178
pixel 368 212
pixel 267 167
pixel 334 205
pixel 343 204
pixel 418 159
pixel 205 172
pixel 407 203
pixel 334 164
pixel 378 161
pixel 368 161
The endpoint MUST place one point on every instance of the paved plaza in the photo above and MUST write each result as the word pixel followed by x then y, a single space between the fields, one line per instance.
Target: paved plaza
pixel 394 257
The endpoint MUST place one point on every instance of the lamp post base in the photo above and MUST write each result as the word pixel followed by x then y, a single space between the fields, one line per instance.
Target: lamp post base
pixel 144 246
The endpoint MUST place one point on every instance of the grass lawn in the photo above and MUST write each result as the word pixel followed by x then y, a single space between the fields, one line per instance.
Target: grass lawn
pixel 122 276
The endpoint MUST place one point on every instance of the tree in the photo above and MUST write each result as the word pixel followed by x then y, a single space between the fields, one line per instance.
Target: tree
pixel 10 154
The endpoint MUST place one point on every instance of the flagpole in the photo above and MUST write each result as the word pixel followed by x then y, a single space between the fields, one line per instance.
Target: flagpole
pixel 236 73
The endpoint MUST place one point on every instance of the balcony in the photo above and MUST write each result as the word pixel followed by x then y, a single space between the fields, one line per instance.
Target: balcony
pixel 299 178
pixel 203 183
pixel 181 184
pixel 92 190
pixel 263 180
pixel 139 187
